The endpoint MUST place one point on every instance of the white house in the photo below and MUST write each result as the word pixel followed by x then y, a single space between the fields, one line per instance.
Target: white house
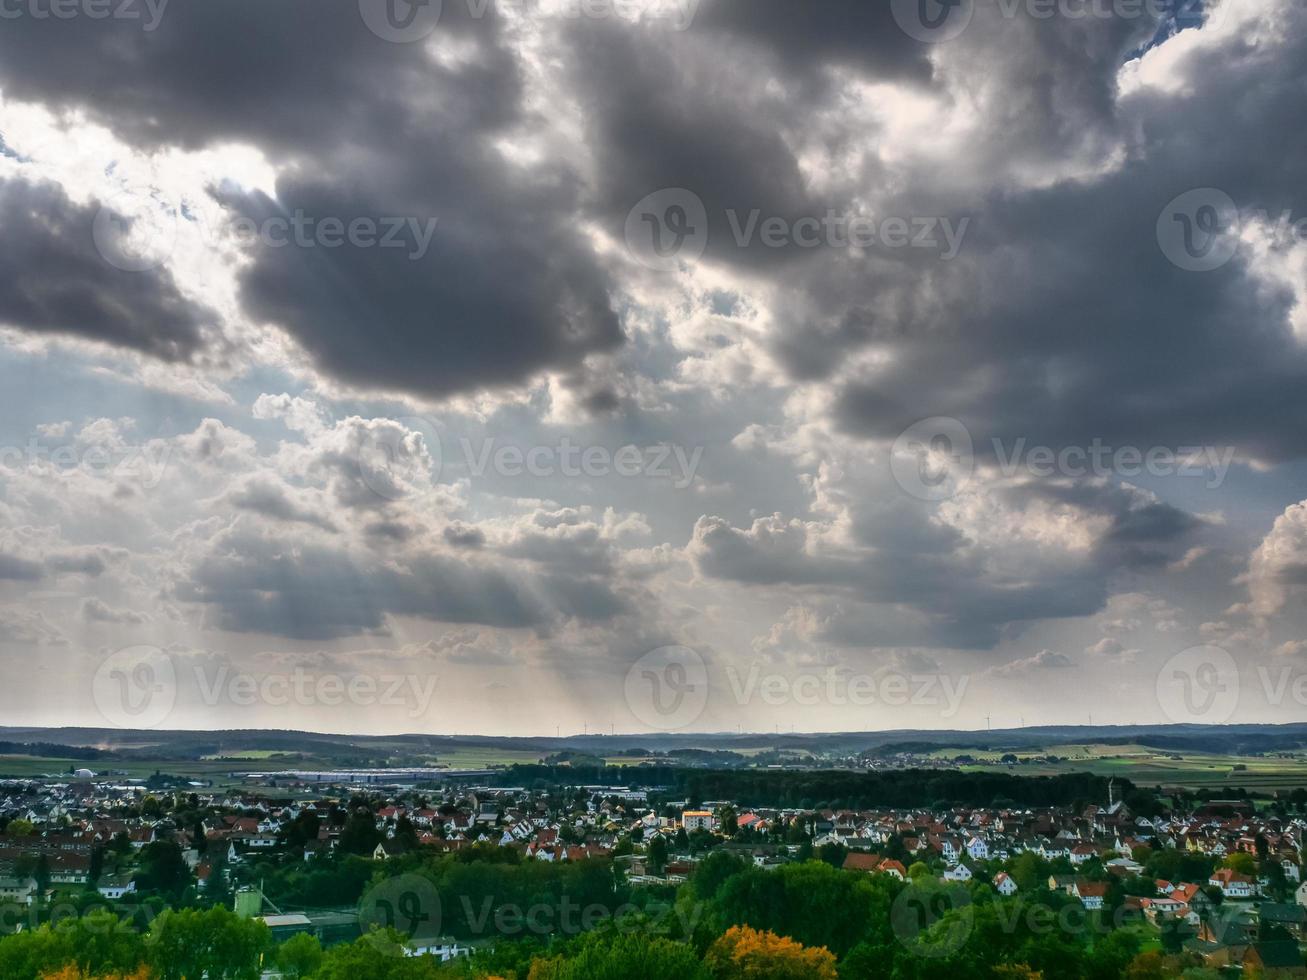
pixel 1301 894
pixel 20 890
pixel 978 849
pixel 1090 893
pixel 116 886
pixel 1082 853
pixel 959 872
pixel 1004 884
pixel 1233 884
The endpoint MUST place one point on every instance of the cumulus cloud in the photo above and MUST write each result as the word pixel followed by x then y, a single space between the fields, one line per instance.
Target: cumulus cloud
pixel 89 298
pixel 1277 570
pixel 95 610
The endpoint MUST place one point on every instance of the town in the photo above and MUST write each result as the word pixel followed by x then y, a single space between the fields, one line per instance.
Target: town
pixel 481 872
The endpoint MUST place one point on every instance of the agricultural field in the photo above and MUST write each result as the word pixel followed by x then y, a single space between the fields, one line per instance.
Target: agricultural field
pixel 1146 766
pixel 226 761
pixel 488 757
pixel 22 766
pixel 27 766
pixel 229 768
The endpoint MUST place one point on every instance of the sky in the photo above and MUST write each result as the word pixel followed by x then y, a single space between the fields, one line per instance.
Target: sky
pixel 532 366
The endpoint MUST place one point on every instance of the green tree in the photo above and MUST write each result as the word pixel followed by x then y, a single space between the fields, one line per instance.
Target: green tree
pixel 657 854
pixel 163 869
pixel 730 822
pixel 42 874
pixel 213 943
pixel 217 889
pixel 1148 966
pixel 301 830
pixel 713 871
pixel 812 903
pixel 299 956
pixel 373 958
pixel 1276 881
pixel 96 943
pixel 406 833
pixel 360 835
pixel 623 957
pixel 833 853
pixel 1242 862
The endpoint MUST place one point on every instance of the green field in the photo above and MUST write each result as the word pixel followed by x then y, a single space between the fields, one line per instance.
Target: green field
pixel 473 757
pixel 1146 766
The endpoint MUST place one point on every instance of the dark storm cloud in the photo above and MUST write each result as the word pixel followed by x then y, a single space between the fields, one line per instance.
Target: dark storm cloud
pixel 52 280
pixel 285 74
pixel 1071 325
pixel 298 588
pixel 490 288
pixel 1048 85
pixel 811 37
pixel 676 115
pixel 1062 320
pixel 268 585
pixel 702 111
pixel 508 286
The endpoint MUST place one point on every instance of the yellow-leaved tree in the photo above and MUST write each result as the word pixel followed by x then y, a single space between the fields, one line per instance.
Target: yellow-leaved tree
pixel 73 973
pixel 1017 971
pixel 742 953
